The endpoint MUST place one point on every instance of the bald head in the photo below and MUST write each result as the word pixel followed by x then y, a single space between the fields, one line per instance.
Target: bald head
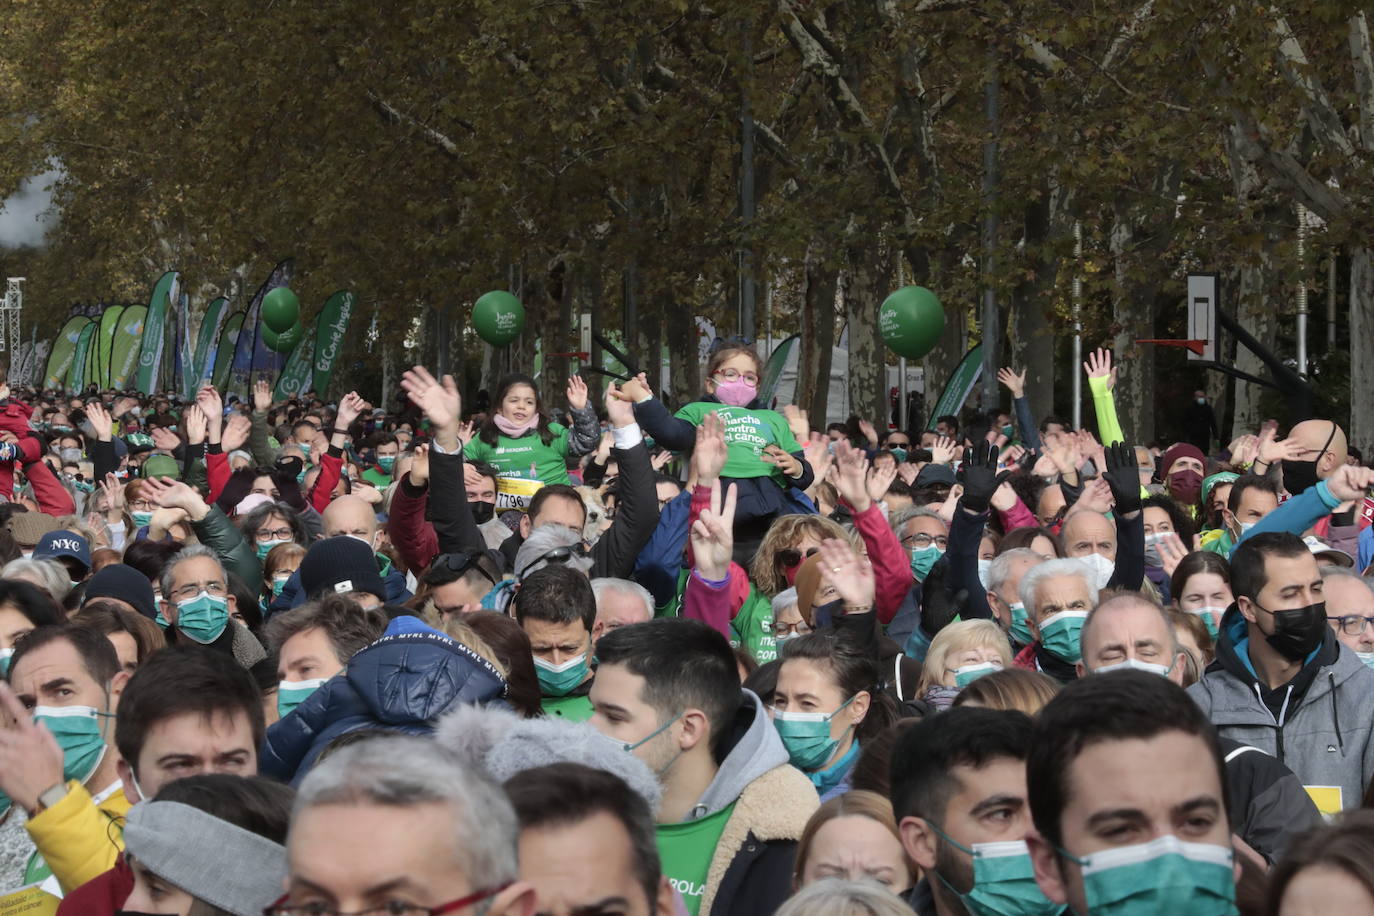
pixel 1126 627
pixel 1322 441
pixel 1088 532
pixel 351 516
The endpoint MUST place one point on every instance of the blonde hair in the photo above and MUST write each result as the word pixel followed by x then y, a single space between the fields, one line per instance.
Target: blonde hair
pixel 854 803
pixel 1017 689
pixel 785 531
pixel 961 637
pixel 835 897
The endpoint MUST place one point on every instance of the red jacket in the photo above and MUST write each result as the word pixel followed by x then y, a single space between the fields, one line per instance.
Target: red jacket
pixel 103 895
pixel 411 535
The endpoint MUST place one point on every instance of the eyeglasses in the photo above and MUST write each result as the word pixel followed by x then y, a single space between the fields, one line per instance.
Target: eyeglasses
pixel 791 556
pixel 557 555
pixel 274 534
pixel 1352 624
pixel 921 541
pixel 731 375
pixel 142 504
pixel 459 563
pixel 190 590
pixel 791 629
pixel 391 908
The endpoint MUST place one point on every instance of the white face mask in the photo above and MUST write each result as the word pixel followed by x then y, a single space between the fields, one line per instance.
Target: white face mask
pixel 983 567
pixel 1102 568
pixel 1136 664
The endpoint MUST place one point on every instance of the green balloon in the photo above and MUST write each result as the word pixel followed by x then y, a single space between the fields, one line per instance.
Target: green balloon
pixel 911 321
pixel 498 317
pixel 286 341
pixel 269 337
pixel 281 309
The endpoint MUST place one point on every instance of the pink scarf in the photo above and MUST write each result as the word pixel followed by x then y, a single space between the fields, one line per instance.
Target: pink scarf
pixel 515 431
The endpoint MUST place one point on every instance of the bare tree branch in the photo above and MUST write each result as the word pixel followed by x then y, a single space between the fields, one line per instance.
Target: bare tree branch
pixel 1363 58
pixel 1321 114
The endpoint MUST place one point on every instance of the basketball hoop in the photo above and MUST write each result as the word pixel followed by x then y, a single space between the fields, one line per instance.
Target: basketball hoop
pixel 1196 346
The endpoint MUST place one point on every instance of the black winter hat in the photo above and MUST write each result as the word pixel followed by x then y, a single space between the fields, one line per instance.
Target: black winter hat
pixel 340 564
pixel 125 583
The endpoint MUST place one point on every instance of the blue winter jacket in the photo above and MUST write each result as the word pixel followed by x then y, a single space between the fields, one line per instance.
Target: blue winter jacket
pixel 402 682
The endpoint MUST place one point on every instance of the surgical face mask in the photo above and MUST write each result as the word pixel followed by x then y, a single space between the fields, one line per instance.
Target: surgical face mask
pixel 1185 486
pixel 1009 431
pixel 1003 880
pixel 736 392
pixel 77 730
pixel 1366 657
pixel 560 680
pixel 482 511
pixel 1135 664
pixel 142 519
pixel 1152 541
pixel 1299 475
pixel 386 462
pixel 1101 566
pixel 265 547
pixel 305 449
pixel 291 694
pixel 1020 627
pixel 899 453
pixel 1165 875
pixel 279 581
pixel 923 559
pixel 967 674
pixel 1059 634
pixel 983 567
pixel 1297 632
pixel 204 617
pixel 5 661
pixel 806 735
pixel 1211 617
pixel 70 455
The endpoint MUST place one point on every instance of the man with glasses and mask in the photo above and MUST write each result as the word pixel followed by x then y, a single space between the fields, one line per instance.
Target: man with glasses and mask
pixel 1350 610
pixel 197 606
pixel 1282 682
pixel 556 608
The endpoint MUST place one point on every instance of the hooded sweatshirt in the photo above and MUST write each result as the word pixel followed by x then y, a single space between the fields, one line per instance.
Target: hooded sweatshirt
pixel 1320 724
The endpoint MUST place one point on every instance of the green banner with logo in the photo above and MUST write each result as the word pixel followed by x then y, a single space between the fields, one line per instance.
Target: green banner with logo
pixel 331 328
pixel 296 375
pixel 81 358
pixel 104 344
pixel 207 344
pixel 166 292
pixel 127 343
pixel 224 353
pixel 959 386
pixel 63 349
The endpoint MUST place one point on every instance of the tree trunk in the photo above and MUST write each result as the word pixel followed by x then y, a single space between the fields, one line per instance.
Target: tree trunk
pixel 684 367
pixel 1030 334
pixel 1361 346
pixel 817 337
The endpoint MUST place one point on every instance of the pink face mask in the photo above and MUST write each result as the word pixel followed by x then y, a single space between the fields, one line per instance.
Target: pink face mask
pixel 736 393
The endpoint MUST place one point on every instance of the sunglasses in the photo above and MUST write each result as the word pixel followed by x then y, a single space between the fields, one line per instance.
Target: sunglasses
pixel 459 563
pixel 557 555
pixel 791 556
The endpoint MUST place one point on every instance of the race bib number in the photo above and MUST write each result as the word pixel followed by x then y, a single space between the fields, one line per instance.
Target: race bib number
pixel 29 901
pixel 515 493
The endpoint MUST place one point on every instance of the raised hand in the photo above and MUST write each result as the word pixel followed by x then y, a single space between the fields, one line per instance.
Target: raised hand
pixel 943 451
pixel 1123 477
pixel 351 407
pixel 236 432
pixel 1171 553
pixel 419 467
pixel 1243 449
pixel 466 432
pixel 635 390
pixel 980 477
pixel 174 494
pixel 879 480
pixel 850 573
pixel 210 401
pixel 907 471
pixel 817 452
pixel 660 458
pixel 619 408
pixel 165 439
pixel 195 424
pixel 1099 365
pixel 114 495
pixel 30 757
pixel 869 432
pixel 577 392
pixel 1096 497
pixel 797 422
pixel 262 396
pixel 851 476
pixel 783 460
pixel 368 493
pixel 1013 382
pixel 1271 451
pixel 1350 482
pixel 439 400
pixel 947 508
pixel 713 538
pixel 101 422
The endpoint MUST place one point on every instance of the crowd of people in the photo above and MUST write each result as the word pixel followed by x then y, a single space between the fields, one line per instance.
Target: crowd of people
pixel 322 658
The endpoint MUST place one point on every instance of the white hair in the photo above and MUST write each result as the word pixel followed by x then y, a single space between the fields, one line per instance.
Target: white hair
pixel 624 587
pixel 1000 570
pixel 838 897
pixel 784 599
pixel 1051 569
pixel 46 574
pixel 402 772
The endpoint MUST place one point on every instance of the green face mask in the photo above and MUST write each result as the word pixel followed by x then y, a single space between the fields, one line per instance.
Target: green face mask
pixel 1210 616
pixel 1009 431
pixel 305 449
pixel 1059 635
pixel 265 547
pixel 806 735
pixel 386 462
pixel 5 661
pixel 279 583
pixel 77 730
pixel 1020 629
pixel 1003 880
pixel 142 519
pixel 1165 875
pixel 560 680
pixel 967 674
pixel 203 618
pixel 291 694
pixel 923 559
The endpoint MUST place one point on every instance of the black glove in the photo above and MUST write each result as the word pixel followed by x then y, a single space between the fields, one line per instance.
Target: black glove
pixel 1123 477
pixel 979 476
pixel 938 606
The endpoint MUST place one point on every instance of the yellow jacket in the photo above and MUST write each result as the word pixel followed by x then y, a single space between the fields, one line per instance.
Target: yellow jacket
pixel 80 837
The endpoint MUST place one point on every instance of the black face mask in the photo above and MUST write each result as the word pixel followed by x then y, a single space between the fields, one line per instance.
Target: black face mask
pixel 1299 475
pixel 1297 632
pixel 482 511
pixel 824 615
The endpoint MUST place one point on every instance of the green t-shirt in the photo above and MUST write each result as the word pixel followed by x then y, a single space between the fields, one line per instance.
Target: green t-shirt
pixel 574 709
pixel 527 458
pixel 377 477
pixel 686 850
pixel 753 627
pixel 747 433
